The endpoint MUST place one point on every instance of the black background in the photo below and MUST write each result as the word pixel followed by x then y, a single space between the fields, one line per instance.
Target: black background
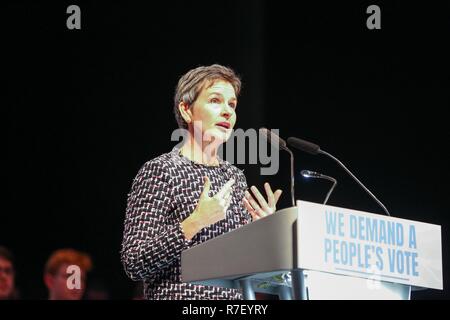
pixel 84 109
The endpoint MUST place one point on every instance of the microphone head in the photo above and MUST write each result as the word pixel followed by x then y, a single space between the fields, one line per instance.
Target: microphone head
pixel 304 145
pixel 273 138
pixel 313 174
pixel 310 174
pixel 317 175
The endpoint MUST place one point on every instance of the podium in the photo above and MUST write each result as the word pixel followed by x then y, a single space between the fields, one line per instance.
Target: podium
pixel 314 251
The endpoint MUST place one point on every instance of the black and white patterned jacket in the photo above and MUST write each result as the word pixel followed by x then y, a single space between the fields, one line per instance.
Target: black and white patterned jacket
pixel 163 194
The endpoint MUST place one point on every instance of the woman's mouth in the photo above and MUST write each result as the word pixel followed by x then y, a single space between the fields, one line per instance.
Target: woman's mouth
pixel 225 125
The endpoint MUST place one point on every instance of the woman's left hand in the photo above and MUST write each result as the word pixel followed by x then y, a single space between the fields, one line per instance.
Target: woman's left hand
pixel 261 208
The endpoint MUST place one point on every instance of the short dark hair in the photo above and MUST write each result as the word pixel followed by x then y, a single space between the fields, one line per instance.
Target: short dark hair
pixel 68 256
pixel 6 254
pixel 191 84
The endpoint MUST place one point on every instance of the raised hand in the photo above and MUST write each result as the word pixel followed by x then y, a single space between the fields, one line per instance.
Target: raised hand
pixel 209 210
pixel 260 208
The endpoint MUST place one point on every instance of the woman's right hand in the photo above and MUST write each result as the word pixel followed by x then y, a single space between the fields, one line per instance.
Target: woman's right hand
pixel 209 210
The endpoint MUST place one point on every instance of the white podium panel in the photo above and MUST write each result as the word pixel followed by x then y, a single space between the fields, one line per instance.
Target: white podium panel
pixel 328 286
pixel 360 244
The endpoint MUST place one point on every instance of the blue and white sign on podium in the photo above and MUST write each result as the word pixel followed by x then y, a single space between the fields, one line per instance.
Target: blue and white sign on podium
pixel 379 253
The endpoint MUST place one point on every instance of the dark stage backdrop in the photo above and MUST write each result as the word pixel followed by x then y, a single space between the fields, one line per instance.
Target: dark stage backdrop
pixel 85 109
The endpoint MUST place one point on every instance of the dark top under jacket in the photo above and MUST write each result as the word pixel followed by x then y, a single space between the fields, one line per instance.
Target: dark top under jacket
pixel 163 194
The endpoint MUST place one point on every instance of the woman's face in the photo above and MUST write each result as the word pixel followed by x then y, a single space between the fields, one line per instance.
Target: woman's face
pixel 214 112
pixel 6 278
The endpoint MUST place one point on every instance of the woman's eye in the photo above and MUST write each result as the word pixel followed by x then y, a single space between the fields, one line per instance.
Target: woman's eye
pixel 214 100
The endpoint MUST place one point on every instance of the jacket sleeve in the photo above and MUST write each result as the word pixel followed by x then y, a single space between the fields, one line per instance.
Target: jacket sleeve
pixel 242 187
pixel 151 241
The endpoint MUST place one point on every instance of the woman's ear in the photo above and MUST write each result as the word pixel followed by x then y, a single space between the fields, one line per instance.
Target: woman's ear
pixel 185 111
pixel 48 280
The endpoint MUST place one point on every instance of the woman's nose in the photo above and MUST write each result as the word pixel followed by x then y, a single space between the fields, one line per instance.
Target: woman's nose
pixel 227 111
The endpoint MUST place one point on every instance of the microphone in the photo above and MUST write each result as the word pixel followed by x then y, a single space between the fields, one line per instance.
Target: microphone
pixel 313 174
pixel 278 142
pixel 274 139
pixel 314 149
pixel 304 145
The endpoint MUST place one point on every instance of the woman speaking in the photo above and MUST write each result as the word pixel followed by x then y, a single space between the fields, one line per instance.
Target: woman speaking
pixel 189 195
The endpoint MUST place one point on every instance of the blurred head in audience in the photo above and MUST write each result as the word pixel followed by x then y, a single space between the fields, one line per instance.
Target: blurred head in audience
pixel 65 274
pixel 7 274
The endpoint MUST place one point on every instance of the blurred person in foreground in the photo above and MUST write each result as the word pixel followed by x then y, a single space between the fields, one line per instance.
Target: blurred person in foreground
pixel 7 275
pixel 65 274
